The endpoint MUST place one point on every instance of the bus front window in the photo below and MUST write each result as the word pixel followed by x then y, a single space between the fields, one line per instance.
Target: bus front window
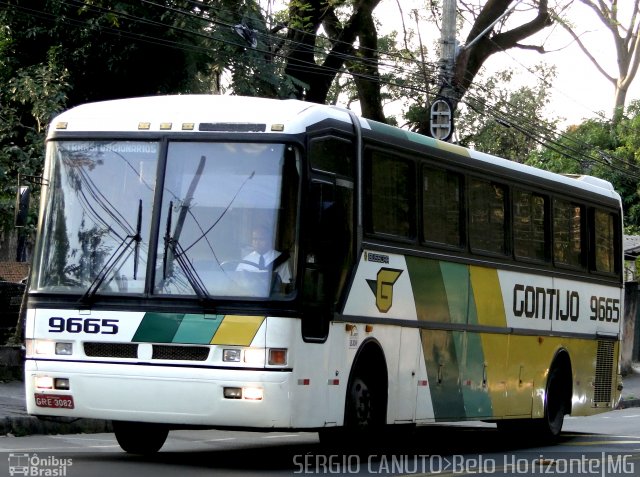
pixel 228 220
pixel 97 212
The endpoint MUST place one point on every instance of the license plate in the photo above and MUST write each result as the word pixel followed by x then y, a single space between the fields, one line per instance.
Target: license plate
pixel 54 401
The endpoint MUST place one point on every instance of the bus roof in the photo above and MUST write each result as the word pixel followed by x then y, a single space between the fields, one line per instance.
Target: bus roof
pixel 187 113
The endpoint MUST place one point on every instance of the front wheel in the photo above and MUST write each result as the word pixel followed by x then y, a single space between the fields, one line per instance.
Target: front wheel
pixel 140 437
pixel 361 413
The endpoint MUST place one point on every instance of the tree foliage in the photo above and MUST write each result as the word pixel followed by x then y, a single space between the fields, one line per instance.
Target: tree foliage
pixel 59 53
pixel 608 149
pixel 501 120
pixel 56 54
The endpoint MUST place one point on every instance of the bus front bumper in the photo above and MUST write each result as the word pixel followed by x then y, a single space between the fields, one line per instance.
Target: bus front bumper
pixel 171 395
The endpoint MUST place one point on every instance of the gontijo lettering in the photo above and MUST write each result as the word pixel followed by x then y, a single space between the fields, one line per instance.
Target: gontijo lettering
pixel 545 303
pixel 555 304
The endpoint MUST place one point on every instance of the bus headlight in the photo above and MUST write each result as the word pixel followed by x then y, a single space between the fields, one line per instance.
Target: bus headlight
pixel 46 347
pixel 248 392
pixel 254 356
pixel 44 382
pixel 231 355
pixel 64 349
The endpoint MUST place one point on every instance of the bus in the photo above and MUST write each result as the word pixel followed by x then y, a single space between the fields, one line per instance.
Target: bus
pixel 410 281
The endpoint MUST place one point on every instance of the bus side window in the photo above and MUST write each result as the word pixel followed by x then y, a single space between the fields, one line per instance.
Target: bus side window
pixel 604 251
pixel 568 234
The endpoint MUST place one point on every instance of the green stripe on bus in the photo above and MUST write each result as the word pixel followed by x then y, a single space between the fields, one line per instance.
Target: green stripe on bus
pixel 428 289
pixel 439 347
pixel 158 327
pixel 443 371
pixel 456 283
pixel 455 367
pixel 197 329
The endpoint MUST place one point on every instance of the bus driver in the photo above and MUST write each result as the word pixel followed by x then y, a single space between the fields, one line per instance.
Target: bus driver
pixel 265 257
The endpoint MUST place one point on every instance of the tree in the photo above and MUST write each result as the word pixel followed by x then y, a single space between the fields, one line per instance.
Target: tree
pixel 489 35
pixel 56 54
pixel 626 39
pixel 505 122
pixel 28 96
pixel 608 149
pixel 497 26
pixel 314 69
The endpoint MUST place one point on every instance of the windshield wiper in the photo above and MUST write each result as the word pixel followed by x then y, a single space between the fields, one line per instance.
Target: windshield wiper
pixel 115 257
pixel 172 247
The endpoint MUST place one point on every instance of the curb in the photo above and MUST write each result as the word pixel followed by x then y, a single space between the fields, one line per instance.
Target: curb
pixel 627 403
pixel 19 426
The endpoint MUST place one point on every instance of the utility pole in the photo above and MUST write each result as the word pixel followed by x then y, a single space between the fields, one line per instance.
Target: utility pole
pixel 441 120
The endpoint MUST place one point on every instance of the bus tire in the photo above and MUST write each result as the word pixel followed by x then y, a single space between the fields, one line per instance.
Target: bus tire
pixel 556 405
pixel 555 408
pixel 361 406
pixel 140 437
pixel 365 404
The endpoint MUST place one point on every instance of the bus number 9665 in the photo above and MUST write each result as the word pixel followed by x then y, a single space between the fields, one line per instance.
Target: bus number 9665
pixel 79 325
pixel 605 309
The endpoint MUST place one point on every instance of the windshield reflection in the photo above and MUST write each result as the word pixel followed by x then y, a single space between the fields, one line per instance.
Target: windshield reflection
pixel 216 197
pixel 94 205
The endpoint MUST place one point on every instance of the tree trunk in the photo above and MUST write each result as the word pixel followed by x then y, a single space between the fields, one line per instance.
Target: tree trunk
pixel 314 79
pixel 470 60
pixel 365 72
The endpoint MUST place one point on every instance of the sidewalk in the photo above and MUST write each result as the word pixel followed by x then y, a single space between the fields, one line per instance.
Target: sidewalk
pixel 15 421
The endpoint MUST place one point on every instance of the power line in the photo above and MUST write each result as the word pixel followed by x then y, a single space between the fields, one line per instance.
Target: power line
pixel 534 131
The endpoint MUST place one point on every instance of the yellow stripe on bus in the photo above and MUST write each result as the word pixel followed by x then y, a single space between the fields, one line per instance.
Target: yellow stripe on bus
pixel 488 296
pixel 237 330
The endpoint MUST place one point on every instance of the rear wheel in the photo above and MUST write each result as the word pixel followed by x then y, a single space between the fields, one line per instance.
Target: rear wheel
pixel 555 407
pixel 140 437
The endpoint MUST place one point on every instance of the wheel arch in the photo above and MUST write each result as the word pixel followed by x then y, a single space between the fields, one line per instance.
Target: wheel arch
pixel 371 362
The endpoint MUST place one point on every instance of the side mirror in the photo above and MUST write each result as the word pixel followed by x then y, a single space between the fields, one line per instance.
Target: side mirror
pixel 22 206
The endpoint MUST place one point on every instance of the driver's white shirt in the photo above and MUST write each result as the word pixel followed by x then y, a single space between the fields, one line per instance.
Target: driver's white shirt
pixel 254 257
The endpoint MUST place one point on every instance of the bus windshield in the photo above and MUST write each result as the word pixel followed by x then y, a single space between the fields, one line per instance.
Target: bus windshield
pixel 228 220
pixel 226 229
pixel 97 212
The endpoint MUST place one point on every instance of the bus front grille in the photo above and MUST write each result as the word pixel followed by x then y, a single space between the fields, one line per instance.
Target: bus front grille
pixel 130 351
pixel 180 353
pixel 603 383
pixel 111 350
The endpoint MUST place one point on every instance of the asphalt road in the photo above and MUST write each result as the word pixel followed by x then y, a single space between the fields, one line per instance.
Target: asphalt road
pixel 603 445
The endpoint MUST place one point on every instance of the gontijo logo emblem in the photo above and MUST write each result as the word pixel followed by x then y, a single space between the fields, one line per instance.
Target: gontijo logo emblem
pixel 382 287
